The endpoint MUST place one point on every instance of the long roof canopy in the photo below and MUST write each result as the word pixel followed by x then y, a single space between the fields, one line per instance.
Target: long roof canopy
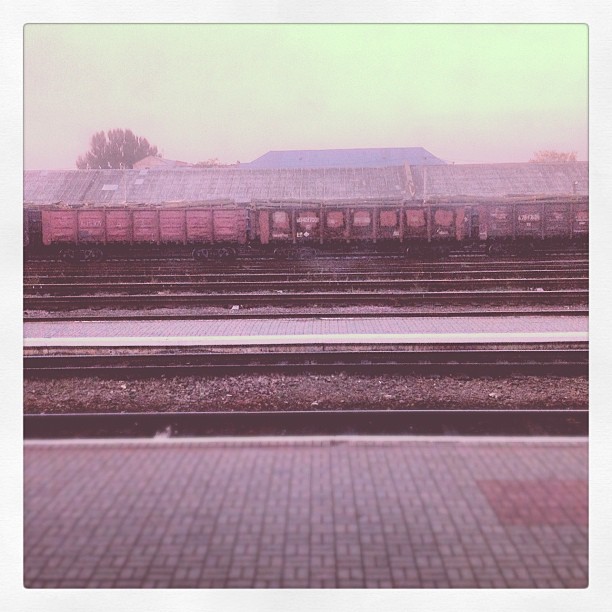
pixel 345 158
pixel 392 183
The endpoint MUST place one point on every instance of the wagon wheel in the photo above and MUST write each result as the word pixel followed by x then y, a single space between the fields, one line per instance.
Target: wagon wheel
pixel 306 253
pixel 200 254
pixel 68 255
pixel 93 254
pixel 223 252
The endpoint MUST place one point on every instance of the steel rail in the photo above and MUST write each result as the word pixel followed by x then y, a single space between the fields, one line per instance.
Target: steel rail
pixel 331 265
pixel 558 361
pixel 507 297
pixel 240 275
pixel 241 315
pixel 519 422
pixel 304 286
pixel 281 267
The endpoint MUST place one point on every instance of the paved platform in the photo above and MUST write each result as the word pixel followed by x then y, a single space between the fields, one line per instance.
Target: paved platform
pixel 335 512
pixel 331 330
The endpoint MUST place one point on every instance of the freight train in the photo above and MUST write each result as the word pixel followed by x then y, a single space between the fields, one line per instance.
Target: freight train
pixel 420 212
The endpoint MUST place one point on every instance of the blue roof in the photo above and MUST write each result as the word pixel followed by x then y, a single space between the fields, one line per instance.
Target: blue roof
pixel 346 158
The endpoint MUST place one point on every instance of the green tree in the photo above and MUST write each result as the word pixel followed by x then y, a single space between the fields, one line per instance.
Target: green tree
pixel 115 149
pixel 553 156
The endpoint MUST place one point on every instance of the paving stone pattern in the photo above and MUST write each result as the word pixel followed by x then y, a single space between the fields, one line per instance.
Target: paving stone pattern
pixel 309 513
pixel 281 327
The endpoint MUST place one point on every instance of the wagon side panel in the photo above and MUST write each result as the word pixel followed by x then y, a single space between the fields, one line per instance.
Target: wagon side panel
pixel 146 226
pixel 443 223
pixel 230 225
pixel 496 221
pixel 172 226
pixel 118 226
pixel 334 228
pixel 362 223
pixel 416 224
pixel 308 225
pixel 528 220
pixel 580 219
pixel 557 220
pixel 59 226
pixel 388 224
pixel 199 226
pixel 280 223
pixel 91 224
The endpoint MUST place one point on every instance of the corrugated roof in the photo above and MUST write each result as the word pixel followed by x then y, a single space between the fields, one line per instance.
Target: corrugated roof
pixel 501 180
pixel 345 158
pixel 156 186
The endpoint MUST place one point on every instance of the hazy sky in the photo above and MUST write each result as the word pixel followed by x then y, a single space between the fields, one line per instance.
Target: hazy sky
pixel 466 93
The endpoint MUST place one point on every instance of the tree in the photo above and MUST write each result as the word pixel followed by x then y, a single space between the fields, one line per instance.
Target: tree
pixel 116 149
pixel 553 156
pixel 213 162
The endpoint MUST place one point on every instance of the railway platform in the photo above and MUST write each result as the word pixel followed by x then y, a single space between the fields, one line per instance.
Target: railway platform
pixel 316 512
pixel 328 329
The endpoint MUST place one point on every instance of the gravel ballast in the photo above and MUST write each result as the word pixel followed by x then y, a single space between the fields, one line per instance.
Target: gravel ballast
pixel 278 392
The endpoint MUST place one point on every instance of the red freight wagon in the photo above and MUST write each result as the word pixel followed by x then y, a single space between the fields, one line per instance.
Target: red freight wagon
pixel 91 225
pixel 145 226
pixel 416 224
pixel 308 225
pixel 59 226
pixel 115 228
pixel 389 224
pixel 336 226
pixel 172 226
pixel 443 224
pixel 118 226
pixel 218 229
pixel 362 224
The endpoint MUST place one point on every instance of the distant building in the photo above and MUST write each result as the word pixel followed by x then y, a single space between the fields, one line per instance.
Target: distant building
pixel 346 158
pixel 152 161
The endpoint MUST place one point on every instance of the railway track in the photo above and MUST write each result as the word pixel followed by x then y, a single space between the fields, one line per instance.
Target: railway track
pixel 532 297
pixel 318 276
pixel 356 282
pixel 331 265
pixel 305 314
pixel 230 285
pixel 387 422
pixel 568 359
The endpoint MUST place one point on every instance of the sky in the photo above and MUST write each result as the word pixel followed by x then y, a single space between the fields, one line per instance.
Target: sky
pixel 467 93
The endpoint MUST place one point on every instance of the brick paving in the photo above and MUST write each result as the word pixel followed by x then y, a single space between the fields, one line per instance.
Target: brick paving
pixel 302 327
pixel 337 512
